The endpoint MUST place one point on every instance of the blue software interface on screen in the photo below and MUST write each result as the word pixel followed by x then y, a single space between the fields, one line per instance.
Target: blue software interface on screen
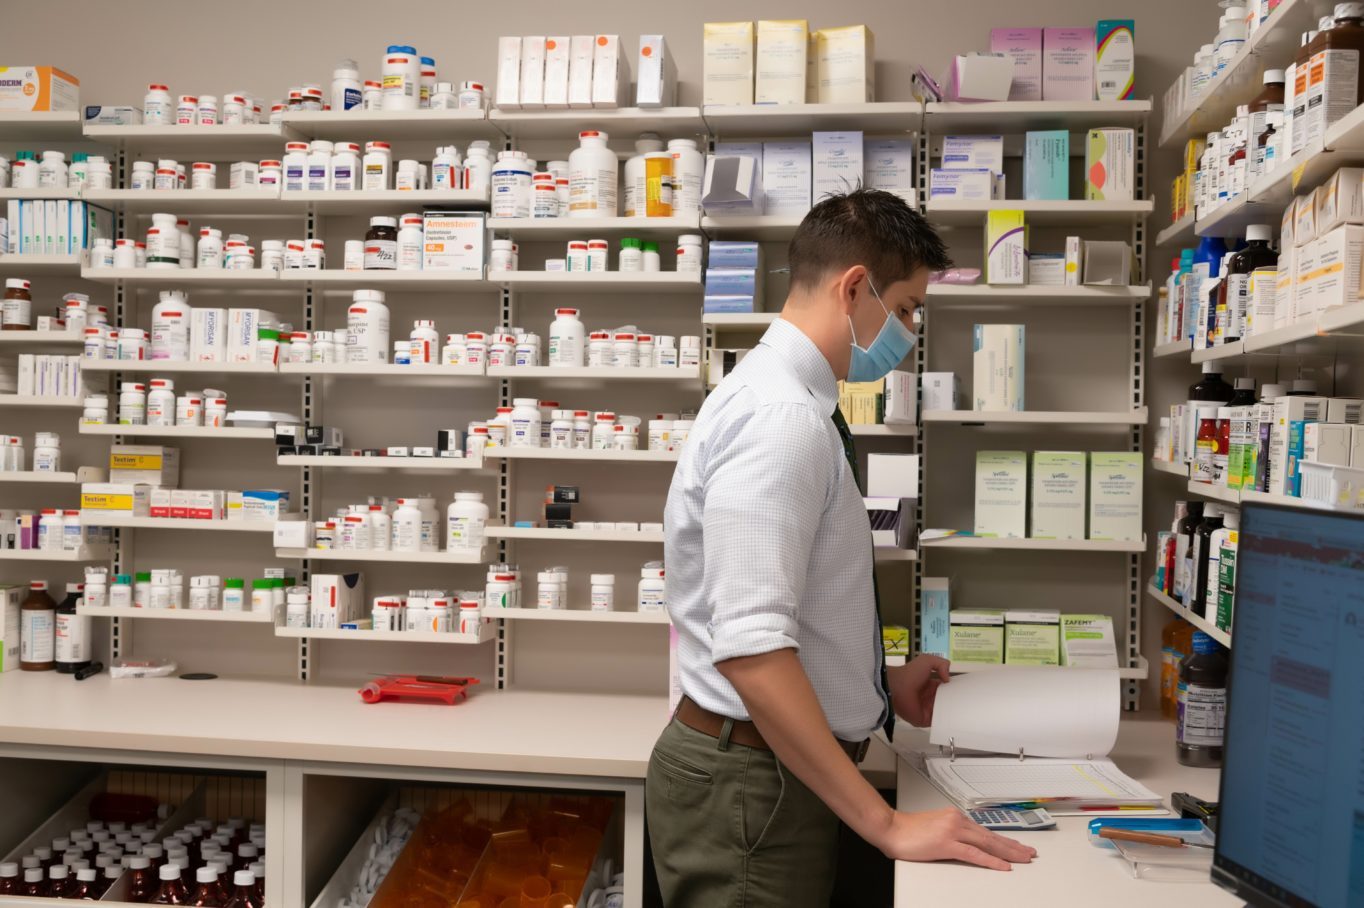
pixel 1293 785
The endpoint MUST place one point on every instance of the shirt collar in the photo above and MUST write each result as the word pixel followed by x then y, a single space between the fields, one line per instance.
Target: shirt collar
pixel 804 358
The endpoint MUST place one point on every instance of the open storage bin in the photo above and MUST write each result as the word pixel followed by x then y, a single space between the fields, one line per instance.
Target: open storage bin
pixel 1334 486
pixel 478 847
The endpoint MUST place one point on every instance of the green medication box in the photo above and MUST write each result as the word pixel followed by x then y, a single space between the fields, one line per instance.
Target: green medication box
pixel 977 635
pixel 1087 642
pixel 1032 637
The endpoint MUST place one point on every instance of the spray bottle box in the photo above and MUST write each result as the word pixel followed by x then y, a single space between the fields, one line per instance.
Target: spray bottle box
pixel 1046 165
pixel 656 74
pixel 556 71
pixel 580 53
pixel 1110 164
pixel 1068 64
pixel 1115 495
pixel 782 46
pixel 610 72
pixel 727 69
pixel 1058 494
pixel 10 599
pixel 508 93
pixel 935 605
pixel 845 65
pixel 1115 59
pixel 998 367
pixel 1024 47
pixel 1006 259
pixel 1001 494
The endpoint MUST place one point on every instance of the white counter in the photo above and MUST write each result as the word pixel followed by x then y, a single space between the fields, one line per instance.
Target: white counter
pixel 503 731
pixel 1068 870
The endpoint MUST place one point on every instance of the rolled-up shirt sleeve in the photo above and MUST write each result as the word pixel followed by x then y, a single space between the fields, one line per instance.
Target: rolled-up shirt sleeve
pixel 766 486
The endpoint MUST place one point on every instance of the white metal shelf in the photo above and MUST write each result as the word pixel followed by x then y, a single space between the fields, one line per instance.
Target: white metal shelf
pixel 382 556
pixel 1180 233
pixel 35 478
pixel 1321 334
pixel 215 143
pixel 942 117
pixel 546 614
pixel 620 124
pixel 574 535
pixel 176 367
pixel 367 201
pixel 329 278
pixel 122 521
pixel 1126 673
pixel 487 632
pixel 29 264
pixel 1037 294
pixel 45 192
pixel 608 374
pixel 752 226
pixel 184 277
pixel 397 464
pixel 1239 497
pixel 358 125
pixel 1190 616
pixel 193 201
pixel 886 555
pixel 599 281
pixel 1048 213
pixel 384 370
pixel 535 229
pixel 177 614
pixel 586 455
pixel 738 321
pixel 29 400
pixel 1137 417
pixel 884 431
pixel 1167 466
pixel 1173 348
pixel 985 543
pixel 736 121
pixel 88 555
pixel 18 126
pixel 226 433
pixel 40 339
pixel 1215 492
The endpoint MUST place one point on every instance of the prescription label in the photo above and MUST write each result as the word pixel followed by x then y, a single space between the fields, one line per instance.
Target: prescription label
pixel 1202 715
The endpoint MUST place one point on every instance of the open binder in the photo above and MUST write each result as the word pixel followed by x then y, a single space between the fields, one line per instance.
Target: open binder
pixel 1046 734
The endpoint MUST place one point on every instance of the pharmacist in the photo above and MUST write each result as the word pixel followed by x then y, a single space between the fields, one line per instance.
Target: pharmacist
pixel 770 587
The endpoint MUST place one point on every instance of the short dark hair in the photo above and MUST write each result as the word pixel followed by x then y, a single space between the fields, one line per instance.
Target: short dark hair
pixel 868 227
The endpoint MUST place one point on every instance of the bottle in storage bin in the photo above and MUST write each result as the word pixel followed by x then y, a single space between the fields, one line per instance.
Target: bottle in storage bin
pixel 593 172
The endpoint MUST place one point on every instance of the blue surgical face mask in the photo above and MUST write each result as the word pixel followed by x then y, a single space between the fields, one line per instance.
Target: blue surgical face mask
pixel 892 344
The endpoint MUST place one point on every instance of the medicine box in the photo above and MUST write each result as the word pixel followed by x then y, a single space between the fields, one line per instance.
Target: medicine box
pixel 901 399
pixel 973 153
pixel 38 88
pixel 1068 64
pixel 336 599
pixel 580 53
pixel 1006 260
pixel 1001 494
pixel 976 636
pixel 935 600
pixel 1110 164
pixel 782 48
pixel 786 177
pixel 1357 446
pixel 656 74
pixel 727 65
pixel 1325 442
pixel 997 361
pixel 895 640
pixel 1046 269
pixel 122 498
pixel 980 77
pixel 1115 59
pixel 1024 47
pixel 243 326
pixel 162 503
pixel 845 65
pixel 454 241
pixel 1345 409
pixel 1032 637
pixel 1087 641
pixel 1115 495
pixel 508 93
pixel 1074 261
pixel 1058 494
pixel 1331 277
pixel 1340 200
pixel 106 115
pixel 11 597
pixel 1046 165
pixel 888 164
pixel 610 72
pixel 243 175
pixel 555 94
pixel 733 181
pixel 208 335
pixel 941 390
pixel 733 282
pixel 837 163
pixel 1286 433
pixel 154 465
pixel 266 505
pixel 893 475
pixel 734 254
pixel 961 185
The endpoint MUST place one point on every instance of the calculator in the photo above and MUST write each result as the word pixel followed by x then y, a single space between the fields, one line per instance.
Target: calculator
pixel 1004 818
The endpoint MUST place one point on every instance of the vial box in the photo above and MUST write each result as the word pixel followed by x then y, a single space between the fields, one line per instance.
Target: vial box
pixel 727 66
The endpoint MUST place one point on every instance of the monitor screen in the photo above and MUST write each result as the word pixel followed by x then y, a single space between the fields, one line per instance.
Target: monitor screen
pixel 1291 824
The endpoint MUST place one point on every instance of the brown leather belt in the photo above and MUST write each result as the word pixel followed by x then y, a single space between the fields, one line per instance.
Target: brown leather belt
pixel 744 732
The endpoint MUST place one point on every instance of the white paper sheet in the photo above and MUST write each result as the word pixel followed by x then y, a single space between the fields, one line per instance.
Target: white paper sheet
pixel 1046 711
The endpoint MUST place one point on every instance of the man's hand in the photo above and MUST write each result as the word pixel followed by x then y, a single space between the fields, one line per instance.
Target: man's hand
pixel 948 835
pixel 913 688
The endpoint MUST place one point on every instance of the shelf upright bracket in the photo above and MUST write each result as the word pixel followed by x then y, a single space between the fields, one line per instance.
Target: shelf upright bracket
pixel 506 312
pixel 1137 388
pixel 308 414
pixel 120 630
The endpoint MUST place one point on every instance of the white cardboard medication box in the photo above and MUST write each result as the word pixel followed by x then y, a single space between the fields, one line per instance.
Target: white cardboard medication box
pixel 1115 495
pixel 580 53
pixel 610 72
pixel 786 177
pixel 961 185
pixel 940 390
pixel 208 335
pixel 1340 200
pixel 1331 276
pixel 265 505
pixel 155 465
pixel 453 241
pixel 336 598
pixel 782 48
pixel 973 153
pixel 998 367
pixel 901 400
pixel 10 599
pixel 893 475
pixel 1087 641
pixel 888 164
pixel 556 71
pixel 1058 494
pixel 656 73
pixel 845 65
pixel 532 72
pixel 38 88
pixel 1001 494
pixel 837 163
pixel 727 72
pixel 507 95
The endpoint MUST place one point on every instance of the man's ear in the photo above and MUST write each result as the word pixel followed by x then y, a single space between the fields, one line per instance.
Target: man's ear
pixel 846 287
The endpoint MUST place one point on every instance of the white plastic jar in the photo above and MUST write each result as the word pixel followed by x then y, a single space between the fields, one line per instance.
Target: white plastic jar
pixel 603 592
pixel 143 175
pixel 549 592
pixel 163 242
pixel 501 350
pixel 624 350
pixel 476 349
pixel 544 201
pixel 372 94
pixel 378 166
pixel 681 429
pixel 207 114
pixel 158 107
pixel 410 242
pixel 690 352
pixel 499 427
pixel 501 258
pixel 102 253
pixel 566 338
pixel 625 437
pixel 510 186
pixel 186 240
pixel 272 255
pixel 465 520
pixel 411 176
pixel 401 73
pixel 527 350
pixel 215 412
pixel 161 402
pixel 96 411
pixel 631 257
pixel 445 168
pixel 132 404
pixel 189 410
pixel 653 592
pixel 689 172
pixel 477 439
pixel 344 167
pixel 647 143
pixel 367 338
pixel 47 452
pixel 346 91
pixel 50 530
pixel 577 256
pixel 598 255
pixel 210 254
pixel 234 109
pixel 407 526
pixel 600 350
pixel 167 175
pixel 644 350
pixel 295 164
pixel 170 327
pixel 665 352
pixel 471 95
pixel 689 254
pixel 99 173
pixel 660 434
pixel 454 352
pixel 443 97
pixel 423 342
pixel 525 423
pixel 603 430
pixel 52 172
pixel 319 166
pixel 593 172
pixel 270 174
pixel 561 430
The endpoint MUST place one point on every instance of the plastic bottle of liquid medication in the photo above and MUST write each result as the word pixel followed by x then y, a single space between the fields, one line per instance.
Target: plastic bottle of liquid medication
pixel 37 625
pixel 592 177
pixel 1202 702
pixel 71 633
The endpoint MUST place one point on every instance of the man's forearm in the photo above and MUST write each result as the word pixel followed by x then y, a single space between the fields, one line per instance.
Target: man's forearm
pixel 778 695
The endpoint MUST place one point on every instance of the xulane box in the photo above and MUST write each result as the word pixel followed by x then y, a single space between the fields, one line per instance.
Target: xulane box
pixel 1032 637
pixel 977 636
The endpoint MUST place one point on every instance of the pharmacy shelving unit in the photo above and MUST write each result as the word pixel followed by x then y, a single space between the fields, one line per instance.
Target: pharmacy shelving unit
pixel 1110 413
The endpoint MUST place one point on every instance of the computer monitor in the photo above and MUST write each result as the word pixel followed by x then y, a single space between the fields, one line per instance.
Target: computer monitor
pixel 1290 831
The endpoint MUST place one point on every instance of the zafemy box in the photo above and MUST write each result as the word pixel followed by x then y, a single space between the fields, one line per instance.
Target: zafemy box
pixel 533 72
pixel 1087 641
pixel 610 72
pixel 1024 47
pixel 555 91
pixel 1001 494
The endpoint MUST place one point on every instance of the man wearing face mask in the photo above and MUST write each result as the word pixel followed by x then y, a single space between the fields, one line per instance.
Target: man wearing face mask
pixel 771 589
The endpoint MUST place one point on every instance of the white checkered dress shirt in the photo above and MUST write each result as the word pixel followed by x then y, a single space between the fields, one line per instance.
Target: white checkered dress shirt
pixel 768 542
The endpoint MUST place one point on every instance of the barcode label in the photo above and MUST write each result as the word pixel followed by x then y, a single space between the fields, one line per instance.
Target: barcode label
pixel 1108 84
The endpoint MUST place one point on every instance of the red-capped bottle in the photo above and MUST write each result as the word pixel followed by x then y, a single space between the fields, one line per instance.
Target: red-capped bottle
pixel 172 890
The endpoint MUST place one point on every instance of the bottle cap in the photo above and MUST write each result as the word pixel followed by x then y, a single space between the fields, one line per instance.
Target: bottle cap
pixel 206 875
pixel 1258 233
pixel 169 872
pixel 243 878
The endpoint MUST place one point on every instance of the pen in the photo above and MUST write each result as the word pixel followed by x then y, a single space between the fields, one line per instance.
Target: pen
pixel 1116 807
